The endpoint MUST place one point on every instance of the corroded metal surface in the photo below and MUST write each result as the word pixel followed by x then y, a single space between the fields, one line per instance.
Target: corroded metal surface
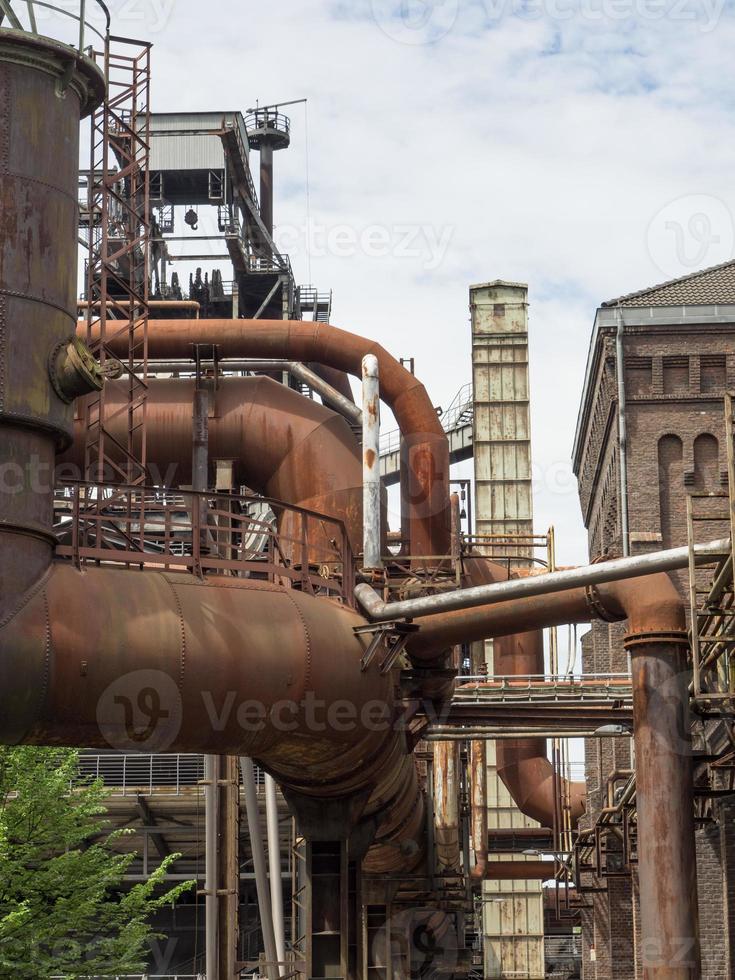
pixel 279 679
pixel 281 444
pixel 427 449
pixel 39 147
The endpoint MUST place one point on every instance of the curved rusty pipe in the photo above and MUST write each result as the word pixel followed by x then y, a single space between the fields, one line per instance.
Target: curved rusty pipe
pixel 282 444
pixel 522 764
pixel 426 442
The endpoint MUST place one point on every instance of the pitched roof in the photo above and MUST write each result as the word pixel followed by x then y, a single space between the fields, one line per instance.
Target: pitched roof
pixel 708 287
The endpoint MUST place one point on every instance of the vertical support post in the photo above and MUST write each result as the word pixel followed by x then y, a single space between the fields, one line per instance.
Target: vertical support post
pixel 229 867
pixel 261 875
pixel 667 871
pixel 211 777
pixel 622 434
pixel 371 462
pixel 274 867
pixel 266 184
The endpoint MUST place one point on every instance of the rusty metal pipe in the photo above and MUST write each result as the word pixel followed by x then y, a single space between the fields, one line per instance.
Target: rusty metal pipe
pixel 282 444
pixel 39 163
pixel 478 811
pixel 522 763
pixel 426 442
pixel 227 666
pixel 664 781
pixel 445 770
pixel 521 870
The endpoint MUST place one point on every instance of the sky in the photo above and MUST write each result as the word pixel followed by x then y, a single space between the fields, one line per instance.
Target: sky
pixel 582 146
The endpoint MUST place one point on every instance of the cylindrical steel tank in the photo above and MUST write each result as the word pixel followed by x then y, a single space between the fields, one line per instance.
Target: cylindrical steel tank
pixel 45 88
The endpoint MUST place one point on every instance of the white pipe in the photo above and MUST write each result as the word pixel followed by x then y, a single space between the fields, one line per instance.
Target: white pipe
pixel 371 462
pixel 211 911
pixel 274 865
pixel 261 875
pixel 536 585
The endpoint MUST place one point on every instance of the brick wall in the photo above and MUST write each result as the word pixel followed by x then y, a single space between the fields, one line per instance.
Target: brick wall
pixel 675 379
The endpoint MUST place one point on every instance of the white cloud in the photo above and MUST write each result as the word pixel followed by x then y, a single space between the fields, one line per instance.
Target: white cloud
pixel 541 146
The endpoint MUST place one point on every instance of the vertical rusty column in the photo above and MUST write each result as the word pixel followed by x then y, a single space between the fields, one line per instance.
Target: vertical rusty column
pixel 667 871
pixel 371 463
pixel 45 88
pixel 266 185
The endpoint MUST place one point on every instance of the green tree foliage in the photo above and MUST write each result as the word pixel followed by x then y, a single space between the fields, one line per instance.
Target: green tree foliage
pixel 62 907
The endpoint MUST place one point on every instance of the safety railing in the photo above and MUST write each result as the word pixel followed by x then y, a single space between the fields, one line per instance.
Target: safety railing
pixel 61 22
pixel 205 534
pixel 269 118
pixel 544 687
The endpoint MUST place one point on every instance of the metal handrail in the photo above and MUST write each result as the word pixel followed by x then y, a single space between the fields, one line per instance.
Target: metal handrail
pixel 28 12
pixel 203 533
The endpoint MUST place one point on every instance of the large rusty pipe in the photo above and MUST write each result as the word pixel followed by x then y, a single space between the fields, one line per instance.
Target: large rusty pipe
pixel 39 164
pixel 667 863
pixel 427 448
pixel 282 444
pixel 221 666
pixel 445 770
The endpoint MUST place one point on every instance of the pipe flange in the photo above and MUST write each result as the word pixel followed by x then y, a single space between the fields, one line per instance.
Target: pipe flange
pixel 597 606
pixel 73 370
pixel 669 637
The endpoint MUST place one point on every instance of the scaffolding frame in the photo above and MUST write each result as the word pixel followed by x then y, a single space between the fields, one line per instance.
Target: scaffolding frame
pixel 118 269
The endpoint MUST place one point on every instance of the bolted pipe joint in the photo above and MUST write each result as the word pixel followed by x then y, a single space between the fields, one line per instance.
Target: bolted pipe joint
pixel 371 462
pixel 74 371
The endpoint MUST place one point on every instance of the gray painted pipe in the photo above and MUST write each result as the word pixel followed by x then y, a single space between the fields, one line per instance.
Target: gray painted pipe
pixel 274 866
pixel 536 585
pixel 250 793
pixel 211 911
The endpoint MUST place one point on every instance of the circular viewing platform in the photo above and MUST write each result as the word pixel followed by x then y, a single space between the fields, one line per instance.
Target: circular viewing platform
pixel 268 127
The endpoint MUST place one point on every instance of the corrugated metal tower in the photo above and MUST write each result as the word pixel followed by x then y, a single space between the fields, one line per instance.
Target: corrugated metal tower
pixel 513 914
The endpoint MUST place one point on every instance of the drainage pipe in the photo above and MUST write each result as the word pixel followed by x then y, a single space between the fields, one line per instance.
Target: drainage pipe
pixel 250 793
pixel 371 464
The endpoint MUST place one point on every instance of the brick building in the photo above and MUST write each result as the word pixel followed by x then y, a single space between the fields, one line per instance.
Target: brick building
pixel 678 347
